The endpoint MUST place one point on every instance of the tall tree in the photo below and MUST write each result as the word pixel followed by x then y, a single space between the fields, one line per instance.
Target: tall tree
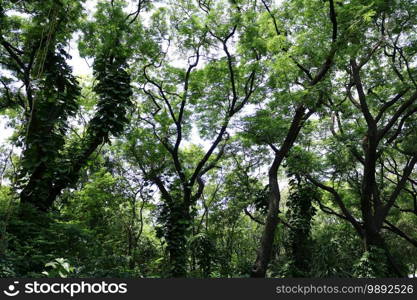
pixel 217 83
pixel 34 52
pixel 381 90
pixel 292 79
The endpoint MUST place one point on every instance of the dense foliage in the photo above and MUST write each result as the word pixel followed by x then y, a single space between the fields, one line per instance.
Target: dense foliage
pixel 198 138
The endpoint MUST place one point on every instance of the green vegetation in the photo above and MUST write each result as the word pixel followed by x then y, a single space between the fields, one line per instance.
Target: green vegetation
pixel 227 138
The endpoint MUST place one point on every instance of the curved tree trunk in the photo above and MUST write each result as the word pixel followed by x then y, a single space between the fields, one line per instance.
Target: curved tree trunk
pixel 271 222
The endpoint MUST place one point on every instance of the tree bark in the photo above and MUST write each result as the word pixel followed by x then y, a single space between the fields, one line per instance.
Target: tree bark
pixel 271 222
pixel 264 252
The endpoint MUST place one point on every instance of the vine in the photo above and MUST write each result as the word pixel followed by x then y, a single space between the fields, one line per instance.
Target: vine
pixel 300 214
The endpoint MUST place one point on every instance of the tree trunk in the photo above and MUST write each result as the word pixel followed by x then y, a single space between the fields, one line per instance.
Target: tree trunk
pixel 178 227
pixel 373 241
pixel 271 222
pixel 300 214
pixel 272 219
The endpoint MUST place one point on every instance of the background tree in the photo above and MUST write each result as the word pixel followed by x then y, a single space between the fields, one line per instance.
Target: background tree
pixel 292 86
pixel 380 109
pixel 209 97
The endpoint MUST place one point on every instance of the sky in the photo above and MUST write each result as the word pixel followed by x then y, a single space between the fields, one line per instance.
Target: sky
pixel 5 132
pixel 79 65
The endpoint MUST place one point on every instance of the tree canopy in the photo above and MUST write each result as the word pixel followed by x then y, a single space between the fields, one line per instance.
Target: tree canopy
pixel 199 138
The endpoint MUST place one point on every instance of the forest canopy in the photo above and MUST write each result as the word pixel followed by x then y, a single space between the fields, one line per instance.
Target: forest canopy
pixel 208 138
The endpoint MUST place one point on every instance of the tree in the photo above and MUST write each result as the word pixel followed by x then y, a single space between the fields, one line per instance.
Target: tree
pixel 378 118
pixel 50 163
pixel 170 108
pixel 296 88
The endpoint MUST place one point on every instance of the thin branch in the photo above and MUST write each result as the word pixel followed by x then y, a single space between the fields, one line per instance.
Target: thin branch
pixel 397 115
pixel 390 103
pixel 339 202
pixel 362 98
pixel 400 233
pixel 382 213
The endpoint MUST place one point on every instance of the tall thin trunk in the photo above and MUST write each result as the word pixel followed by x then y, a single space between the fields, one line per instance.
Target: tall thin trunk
pixel 264 252
pixel 271 222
